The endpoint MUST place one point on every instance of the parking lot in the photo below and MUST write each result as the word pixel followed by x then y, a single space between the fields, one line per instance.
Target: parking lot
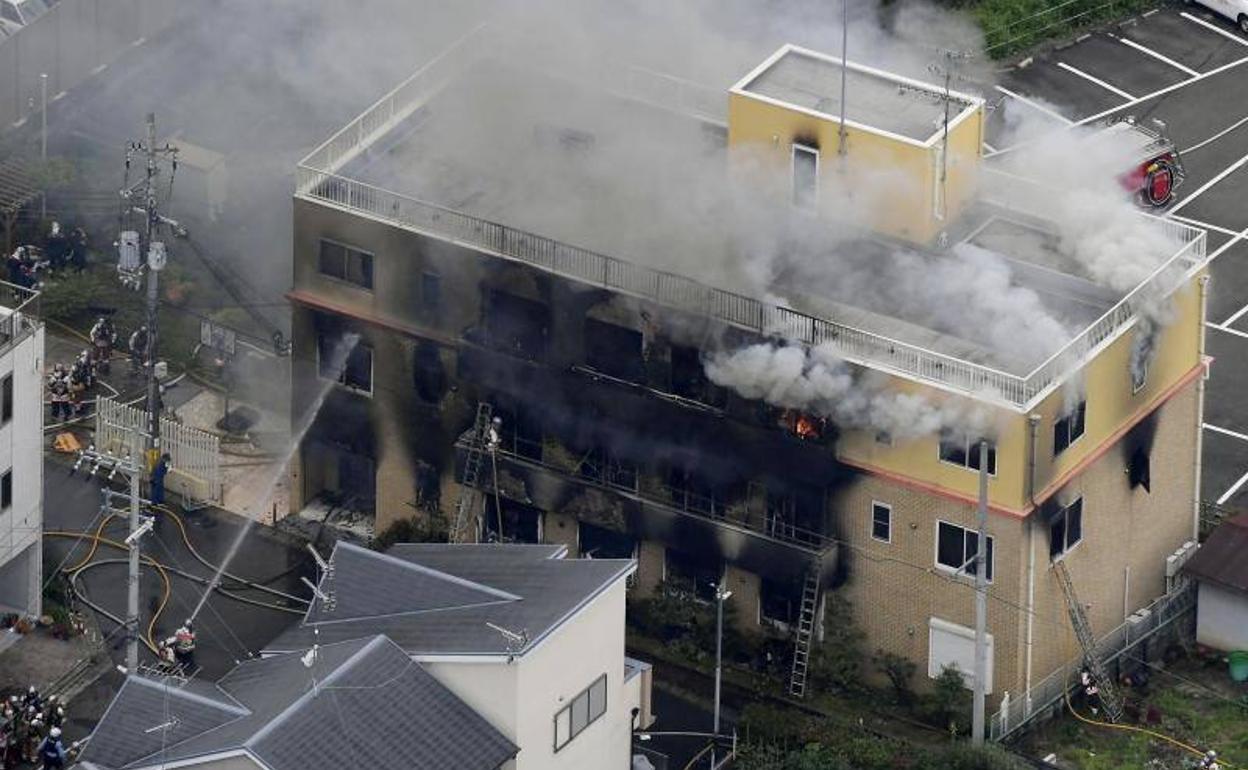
pixel 1189 68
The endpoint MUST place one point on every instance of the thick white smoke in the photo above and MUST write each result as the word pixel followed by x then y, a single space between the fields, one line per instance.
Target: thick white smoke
pixel 819 382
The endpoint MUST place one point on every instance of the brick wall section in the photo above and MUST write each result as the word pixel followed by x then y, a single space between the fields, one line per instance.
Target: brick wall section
pixel 650 561
pixel 745 597
pixel 562 529
pixel 895 587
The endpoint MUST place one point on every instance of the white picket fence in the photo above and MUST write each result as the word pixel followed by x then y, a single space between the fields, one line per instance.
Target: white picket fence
pixel 194 455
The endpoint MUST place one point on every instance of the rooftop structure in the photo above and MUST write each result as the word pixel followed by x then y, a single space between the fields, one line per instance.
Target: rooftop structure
pixel 570 188
pixel 343 705
pixel 442 599
pixel 881 101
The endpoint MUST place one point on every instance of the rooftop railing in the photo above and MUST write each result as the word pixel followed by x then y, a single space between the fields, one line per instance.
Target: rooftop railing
pixel 19 314
pixel 318 178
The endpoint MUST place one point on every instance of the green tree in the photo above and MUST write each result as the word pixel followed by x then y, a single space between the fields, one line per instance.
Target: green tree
pixel 899 671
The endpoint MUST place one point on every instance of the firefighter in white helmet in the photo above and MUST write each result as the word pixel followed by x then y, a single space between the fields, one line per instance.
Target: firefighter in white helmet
pixel 183 644
pixel 1209 761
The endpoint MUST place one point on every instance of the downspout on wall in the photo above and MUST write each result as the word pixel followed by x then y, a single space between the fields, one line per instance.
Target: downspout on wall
pixel 1200 408
pixel 1033 421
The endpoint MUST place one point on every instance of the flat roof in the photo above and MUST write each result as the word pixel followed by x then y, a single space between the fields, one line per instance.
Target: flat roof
pixel 631 188
pixel 875 100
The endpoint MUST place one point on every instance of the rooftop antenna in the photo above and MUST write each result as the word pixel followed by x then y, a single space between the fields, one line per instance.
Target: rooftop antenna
pixel 951 59
pixel 172 723
pixel 515 641
pixel 841 148
pixel 326 570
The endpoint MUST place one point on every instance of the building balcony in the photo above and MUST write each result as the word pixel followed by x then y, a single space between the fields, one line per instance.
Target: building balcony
pixel 617 496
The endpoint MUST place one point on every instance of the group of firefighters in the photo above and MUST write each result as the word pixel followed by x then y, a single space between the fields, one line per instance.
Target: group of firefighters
pixel 60 250
pixel 67 385
pixel 30 731
pixel 1091 695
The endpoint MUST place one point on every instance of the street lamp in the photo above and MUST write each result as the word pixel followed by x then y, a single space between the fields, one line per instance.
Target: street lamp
pixel 721 596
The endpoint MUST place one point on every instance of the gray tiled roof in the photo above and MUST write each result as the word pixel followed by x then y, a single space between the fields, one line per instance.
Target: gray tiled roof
pixel 532 589
pixel 360 703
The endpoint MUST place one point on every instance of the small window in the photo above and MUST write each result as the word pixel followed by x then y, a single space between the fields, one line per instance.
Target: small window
pixel 346 264
pixel 614 350
pixel 430 292
pixel 581 712
pixel 1139 376
pixel 883 438
pixel 355 373
pixel 6 490
pixel 1066 529
pixel 960 449
pixel 956 547
pixel 1138 471
pixel 6 397
pixel 881 522
pixel 1068 429
pixel 805 176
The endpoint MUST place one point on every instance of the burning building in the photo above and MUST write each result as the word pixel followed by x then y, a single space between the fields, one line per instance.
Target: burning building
pixel 787 396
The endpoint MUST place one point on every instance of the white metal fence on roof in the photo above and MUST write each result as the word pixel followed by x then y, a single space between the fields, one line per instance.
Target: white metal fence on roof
pixel 193 452
pixel 318 178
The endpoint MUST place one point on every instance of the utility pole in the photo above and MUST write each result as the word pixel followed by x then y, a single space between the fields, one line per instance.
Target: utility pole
pixel 721 596
pixel 841 148
pixel 981 601
pixel 156 257
pixel 133 470
pixel 951 58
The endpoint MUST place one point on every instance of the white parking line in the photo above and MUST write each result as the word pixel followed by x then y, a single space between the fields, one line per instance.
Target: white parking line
pixel 1163 91
pixel 1224 431
pixel 1238 314
pixel 1213 27
pixel 1227 329
pixel 1231 169
pixel 1228 494
pixel 1207 226
pixel 1036 105
pixel 1111 88
pixel 1159 57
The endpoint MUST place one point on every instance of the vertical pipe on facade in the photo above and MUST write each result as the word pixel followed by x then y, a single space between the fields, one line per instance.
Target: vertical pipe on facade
pixel 1200 407
pixel 1033 421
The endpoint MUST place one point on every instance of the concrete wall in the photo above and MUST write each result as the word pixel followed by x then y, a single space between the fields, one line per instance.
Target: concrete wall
pixel 69 44
pixel 491 689
pixel 890 183
pixel 1221 618
pixel 21 452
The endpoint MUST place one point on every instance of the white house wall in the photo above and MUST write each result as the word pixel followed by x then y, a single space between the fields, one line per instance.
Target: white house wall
pixel 21 450
pixel 1221 618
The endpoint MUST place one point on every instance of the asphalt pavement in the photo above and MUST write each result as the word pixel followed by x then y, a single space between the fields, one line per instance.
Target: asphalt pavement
pixel 1188 68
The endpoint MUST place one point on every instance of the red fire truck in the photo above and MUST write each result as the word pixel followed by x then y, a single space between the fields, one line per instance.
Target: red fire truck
pixel 1158 169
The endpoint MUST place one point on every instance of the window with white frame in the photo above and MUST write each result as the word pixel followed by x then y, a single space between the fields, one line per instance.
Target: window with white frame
pixel 805 176
pixel 581 712
pixel 1066 530
pixel 956 547
pixel 352 370
pixel 346 264
pixel 881 522
pixel 1069 429
pixel 962 449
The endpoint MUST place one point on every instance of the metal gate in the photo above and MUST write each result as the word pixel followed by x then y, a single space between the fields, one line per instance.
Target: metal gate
pixel 194 454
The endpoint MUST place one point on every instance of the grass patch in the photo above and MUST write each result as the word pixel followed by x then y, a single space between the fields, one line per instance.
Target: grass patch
pixel 1011 26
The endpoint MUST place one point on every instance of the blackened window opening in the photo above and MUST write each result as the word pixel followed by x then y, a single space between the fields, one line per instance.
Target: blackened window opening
pixel 516 325
pixel 1068 429
pixel 346 264
pixel 598 464
pixel 692 575
pixel 1138 472
pixel 689 377
pixel 521 523
pixel 357 369
pixel 1066 529
pixel 520 432
pixel 614 350
pixel 428 373
pixel 690 491
pixel 779 601
pixel 602 543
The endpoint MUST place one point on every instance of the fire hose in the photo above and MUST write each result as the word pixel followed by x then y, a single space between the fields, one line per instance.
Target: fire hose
pixel 1152 733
